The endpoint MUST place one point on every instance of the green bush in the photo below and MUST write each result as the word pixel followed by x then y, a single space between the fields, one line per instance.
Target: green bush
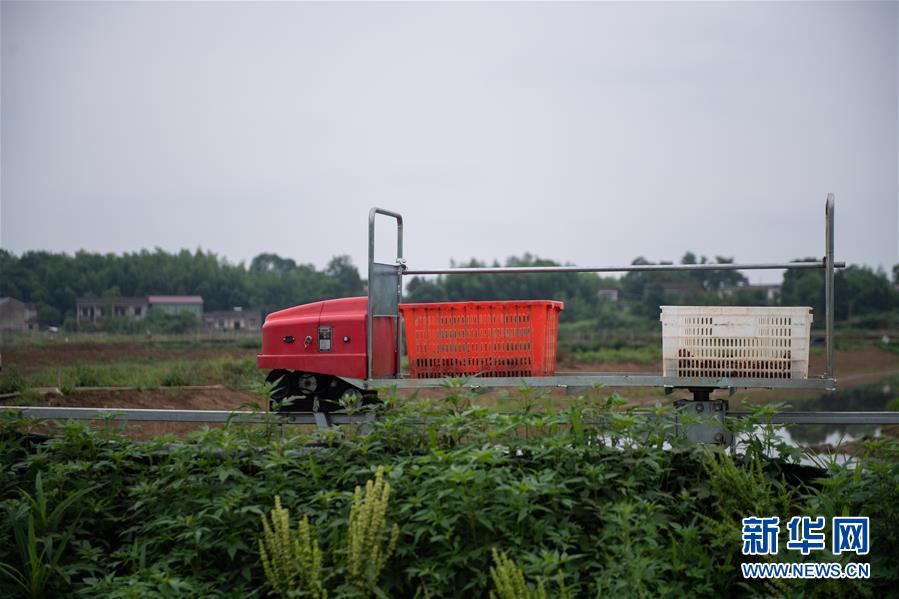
pixel 177 376
pixel 616 508
pixel 11 381
pixel 88 376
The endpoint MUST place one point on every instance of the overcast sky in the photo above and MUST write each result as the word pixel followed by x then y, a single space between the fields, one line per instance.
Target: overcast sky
pixel 586 133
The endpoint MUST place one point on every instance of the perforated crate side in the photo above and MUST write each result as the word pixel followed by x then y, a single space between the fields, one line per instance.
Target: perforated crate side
pixel 735 341
pixel 450 339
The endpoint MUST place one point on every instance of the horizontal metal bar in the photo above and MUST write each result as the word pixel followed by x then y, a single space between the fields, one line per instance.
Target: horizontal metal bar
pixel 243 417
pixel 586 380
pixel 825 417
pixel 630 268
pixel 209 416
pixel 310 418
pixel 137 414
pixel 798 418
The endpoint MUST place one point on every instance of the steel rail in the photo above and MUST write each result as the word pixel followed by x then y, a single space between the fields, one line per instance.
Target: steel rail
pixel 174 415
pixel 310 418
pixel 585 380
pixel 822 417
pixel 630 268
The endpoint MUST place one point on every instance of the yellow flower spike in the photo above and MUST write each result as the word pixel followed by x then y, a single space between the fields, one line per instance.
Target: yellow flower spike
pixel 369 541
pixel 509 582
pixel 292 563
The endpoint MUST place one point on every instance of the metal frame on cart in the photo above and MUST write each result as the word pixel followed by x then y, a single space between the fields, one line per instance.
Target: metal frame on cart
pixel 706 420
pixel 385 289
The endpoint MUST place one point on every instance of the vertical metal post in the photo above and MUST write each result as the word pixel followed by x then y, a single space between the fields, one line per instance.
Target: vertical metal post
pixel 828 284
pixel 371 272
pixel 397 335
pixel 400 266
pixel 371 269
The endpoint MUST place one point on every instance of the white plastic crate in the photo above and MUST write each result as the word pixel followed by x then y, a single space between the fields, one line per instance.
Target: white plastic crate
pixel 736 342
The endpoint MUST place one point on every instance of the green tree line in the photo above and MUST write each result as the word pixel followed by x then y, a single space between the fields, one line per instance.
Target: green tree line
pixel 53 281
pixel 859 292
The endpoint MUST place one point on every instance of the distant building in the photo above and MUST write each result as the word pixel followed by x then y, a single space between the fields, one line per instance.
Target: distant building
pixel 671 289
pixel 771 292
pixel 237 319
pixel 177 304
pixel 92 309
pixel 607 294
pixel 17 316
pixel 31 317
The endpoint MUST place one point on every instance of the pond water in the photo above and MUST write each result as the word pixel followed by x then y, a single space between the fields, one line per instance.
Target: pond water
pixel 868 398
pixel 876 397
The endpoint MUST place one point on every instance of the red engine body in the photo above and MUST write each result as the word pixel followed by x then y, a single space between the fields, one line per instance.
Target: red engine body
pixel 327 337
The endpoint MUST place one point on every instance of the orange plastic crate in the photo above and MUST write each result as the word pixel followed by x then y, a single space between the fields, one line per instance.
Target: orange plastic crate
pixel 452 339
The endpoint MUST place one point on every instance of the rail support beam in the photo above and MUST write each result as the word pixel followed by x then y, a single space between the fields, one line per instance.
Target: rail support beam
pixel 702 421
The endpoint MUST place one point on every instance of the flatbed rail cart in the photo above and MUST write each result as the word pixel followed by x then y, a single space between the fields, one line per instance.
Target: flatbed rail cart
pixel 352 346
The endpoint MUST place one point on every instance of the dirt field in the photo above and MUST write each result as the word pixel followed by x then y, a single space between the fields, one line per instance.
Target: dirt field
pixel 219 398
pixel 31 358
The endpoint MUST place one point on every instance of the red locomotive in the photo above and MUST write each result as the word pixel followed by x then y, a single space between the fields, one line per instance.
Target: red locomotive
pixel 318 353
pixel 313 349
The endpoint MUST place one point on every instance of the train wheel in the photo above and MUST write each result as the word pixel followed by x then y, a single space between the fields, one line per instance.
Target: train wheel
pixel 308 392
pixel 280 379
pixel 351 399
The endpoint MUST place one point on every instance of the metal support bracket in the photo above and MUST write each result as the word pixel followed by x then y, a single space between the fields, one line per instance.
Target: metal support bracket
pixel 702 421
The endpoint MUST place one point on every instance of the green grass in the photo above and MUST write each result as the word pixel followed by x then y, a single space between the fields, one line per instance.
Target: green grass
pixel 237 373
pixel 244 340
pixel 646 354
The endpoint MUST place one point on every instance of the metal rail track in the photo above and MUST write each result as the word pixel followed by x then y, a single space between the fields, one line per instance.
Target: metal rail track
pixel 318 418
